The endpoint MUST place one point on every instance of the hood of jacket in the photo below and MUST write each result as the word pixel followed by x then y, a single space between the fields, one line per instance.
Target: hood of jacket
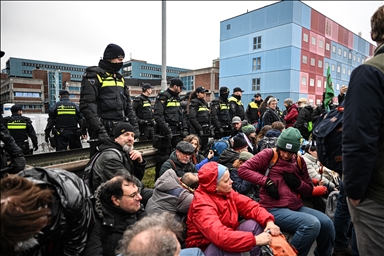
pixel 228 157
pixel 208 178
pixel 110 143
pixel 167 181
pixel 272 133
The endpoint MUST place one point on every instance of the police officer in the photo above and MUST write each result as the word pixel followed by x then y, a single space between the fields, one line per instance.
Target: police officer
pixel 252 112
pixel 20 128
pixel 199 116
pixel 237 107
pixel 65 122
pixel 104 98
pixel 170 125
pixel 221 117
pixel 142 108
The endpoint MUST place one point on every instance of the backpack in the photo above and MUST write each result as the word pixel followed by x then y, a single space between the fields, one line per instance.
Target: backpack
pixel 268 142
pixel 331 204
pixel 88 170
pixel 279 246
pixel 328 134
pixel 219 146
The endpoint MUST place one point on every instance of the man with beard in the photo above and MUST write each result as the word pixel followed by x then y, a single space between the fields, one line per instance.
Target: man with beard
pixel 117 157
pixel 104 99
pixel 237 107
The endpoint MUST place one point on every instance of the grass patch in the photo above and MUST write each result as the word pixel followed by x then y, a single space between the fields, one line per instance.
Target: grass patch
pixel 149 177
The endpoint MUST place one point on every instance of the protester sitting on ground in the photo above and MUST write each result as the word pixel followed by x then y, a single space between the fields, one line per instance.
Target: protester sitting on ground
pixel 262 133
pixel 117 207
pixel 212 222
pixel 242 186
pixel 249 134
pixel 236 126
pixel 229 155
pixel 278 126
pixel 180 160
pixel 198 159
pixel 270 138
pixel 282 190
pixel 173 194
pixel 155 235
pixel 321 175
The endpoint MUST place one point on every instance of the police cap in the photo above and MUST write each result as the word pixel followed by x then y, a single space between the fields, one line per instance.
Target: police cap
pixel 177 82
pixel 16 108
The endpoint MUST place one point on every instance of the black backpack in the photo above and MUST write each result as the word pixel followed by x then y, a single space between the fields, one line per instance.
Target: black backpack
pixel 328 134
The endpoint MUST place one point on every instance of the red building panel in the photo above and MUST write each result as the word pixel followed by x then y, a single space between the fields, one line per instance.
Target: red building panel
pixel 304 82
pixel 315 20
pixel 350 40
pixel 321 23
pixel 312 68
pixel 304 67
pixel 319 89
pixel 312 89
pixel 335 32
pixel 305 45
pixel 327 53
pixel 319 70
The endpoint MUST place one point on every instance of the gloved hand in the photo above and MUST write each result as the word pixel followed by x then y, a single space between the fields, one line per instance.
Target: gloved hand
pixel 47 137
pixel 291 180
pixel 35 147
pixel 184 133
pixel 221 131
pixel 201 133
pixel 319 191
pixel 272 189
pixel 143 122
pixel 17 164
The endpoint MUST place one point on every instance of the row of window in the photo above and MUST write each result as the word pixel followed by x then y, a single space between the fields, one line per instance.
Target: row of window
pixel 30 64
pixel 154 76
pixel 76 76
pixel 159 69
pixel 319 83
pixel 320 65
pixel 28 94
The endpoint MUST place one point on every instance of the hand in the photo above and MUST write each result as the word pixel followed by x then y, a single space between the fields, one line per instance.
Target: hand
pixel 273 228
pixel 354 202
pixel 263 239
pixel 201 133
pixel 35 147
pixel 17 164
pixel 142 122
pixel 272 189
pixel 210 154
pixel 47 137
pixel 103 135
pixel 136 156
pixel 319 191
pixel 291 180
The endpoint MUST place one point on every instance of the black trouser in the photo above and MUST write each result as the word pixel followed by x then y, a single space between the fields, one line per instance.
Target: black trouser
pixel 67 138
pixel 24 145
pixel 147 132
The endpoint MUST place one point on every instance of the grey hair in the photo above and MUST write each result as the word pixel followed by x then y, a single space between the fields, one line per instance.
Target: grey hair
pixel 271 99
pixel 160 231
pixel 289 101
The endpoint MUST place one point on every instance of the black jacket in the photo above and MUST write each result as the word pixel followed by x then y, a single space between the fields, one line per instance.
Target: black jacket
pixel 64 114
pixel 72 213
pixel 305 116
pixel 20 127
pixel 271 116
pixel 220 114
pixel 228 157
pixel 142 108
pixel 199 114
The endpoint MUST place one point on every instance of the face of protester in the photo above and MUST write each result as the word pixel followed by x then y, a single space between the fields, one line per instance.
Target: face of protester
pixel 126 138
pixel 237 126
pixel 182 157
pixel 194 143
pixel 285 155
pixel 273 104
pixel 224 185
pixel 130 200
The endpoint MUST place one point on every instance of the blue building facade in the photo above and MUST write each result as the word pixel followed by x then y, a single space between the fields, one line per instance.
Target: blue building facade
pixel 284 50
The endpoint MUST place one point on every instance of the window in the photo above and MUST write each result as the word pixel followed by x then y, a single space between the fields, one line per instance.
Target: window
pixel 362 60
pixel 327 46
pixel 305 59
pixel 326 65
pixel 333 49
pixel 304 81
pixel 312 61
pixel 333 67
pixel 354 57
pixel 256 84
pixel 305 37
pixel 319 83
pixel 350 55
pixel 345 54
pixel 337 86
pixel 349 72
pixel 320 64
pixel 338 69
pixel 311 82
pixel 257 42
pixel 313 40
pixel 339 51
pixel 256 63
pixel 228 26
pixel 344 70
pixel 358 59
pixel 321 44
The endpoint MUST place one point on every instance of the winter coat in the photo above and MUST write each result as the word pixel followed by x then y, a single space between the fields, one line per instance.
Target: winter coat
pixel 305 116
pixel 174 164
pixel 254 169
pixel 291 116
pixel 110 163
pixel 271 116
pixel 169 195
pixel 228 157
pixel 214 217
pixel 72 213
pixel 313 171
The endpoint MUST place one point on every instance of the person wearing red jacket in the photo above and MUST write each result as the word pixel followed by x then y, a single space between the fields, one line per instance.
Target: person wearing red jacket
pixel 292 113
pixel 282 190
pixel 213 217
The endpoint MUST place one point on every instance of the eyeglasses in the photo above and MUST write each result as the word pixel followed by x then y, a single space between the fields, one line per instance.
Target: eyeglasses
pixel 135 194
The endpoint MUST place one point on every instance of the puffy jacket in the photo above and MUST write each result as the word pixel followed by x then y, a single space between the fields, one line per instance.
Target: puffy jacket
pixel 254 169
pixel 20 127
pixel 313 171
pixel 169 195
pixel 179 168
pixel 72 213
pixel 291 116
pixel 214 217
pixel 64 114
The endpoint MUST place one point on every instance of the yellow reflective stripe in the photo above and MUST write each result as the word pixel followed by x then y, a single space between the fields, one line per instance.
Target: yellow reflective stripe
pixel 147 104
pixel 16 126
pixel 238 102
pixel 66 111
pixel 173 104
pixel 224 106
pixel 203 108
pixel 253 105
pixel 109 81
pixel 99 78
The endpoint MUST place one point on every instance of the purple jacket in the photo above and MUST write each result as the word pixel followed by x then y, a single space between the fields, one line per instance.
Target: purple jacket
pixel 254 169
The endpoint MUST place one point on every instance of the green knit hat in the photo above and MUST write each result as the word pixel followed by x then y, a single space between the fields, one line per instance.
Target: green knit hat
pixel 289 140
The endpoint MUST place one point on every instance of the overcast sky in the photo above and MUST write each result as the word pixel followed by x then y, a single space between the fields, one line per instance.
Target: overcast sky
pixel 77 32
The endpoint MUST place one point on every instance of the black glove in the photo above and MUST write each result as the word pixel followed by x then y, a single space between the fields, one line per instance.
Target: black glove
pixel 185 133
pixel 221 131
pixel 143 122
pixel 272 189
pixel 291 180
pixel 17 164
pixel 35 147
pixel 47 137
pixel 201 133
pixel 103 135
pixel 168 136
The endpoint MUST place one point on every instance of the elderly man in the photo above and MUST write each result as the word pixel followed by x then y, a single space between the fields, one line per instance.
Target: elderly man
pixel 180 160
pixel 117 207
pixel 117 157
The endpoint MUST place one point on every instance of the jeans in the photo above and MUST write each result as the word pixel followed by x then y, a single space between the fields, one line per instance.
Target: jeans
pixel 342 223
pixel 248 225
pixel 308 226
pixel 191 252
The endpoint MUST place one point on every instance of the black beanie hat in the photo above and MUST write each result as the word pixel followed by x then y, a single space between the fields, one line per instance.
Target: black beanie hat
pixel 113 51
pixel 122 128
pixel 239 143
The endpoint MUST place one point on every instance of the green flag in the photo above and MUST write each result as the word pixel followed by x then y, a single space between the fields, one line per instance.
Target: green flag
pixel 329 92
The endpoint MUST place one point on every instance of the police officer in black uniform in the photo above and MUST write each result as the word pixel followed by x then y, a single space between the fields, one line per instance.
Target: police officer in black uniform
pixel 199 116
pixel 252 112
pixel 220 114
pixel 237 107
pixel 142 108
pixel 20 128
pixel 104 98
pixel 65 122
pixel 170 125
